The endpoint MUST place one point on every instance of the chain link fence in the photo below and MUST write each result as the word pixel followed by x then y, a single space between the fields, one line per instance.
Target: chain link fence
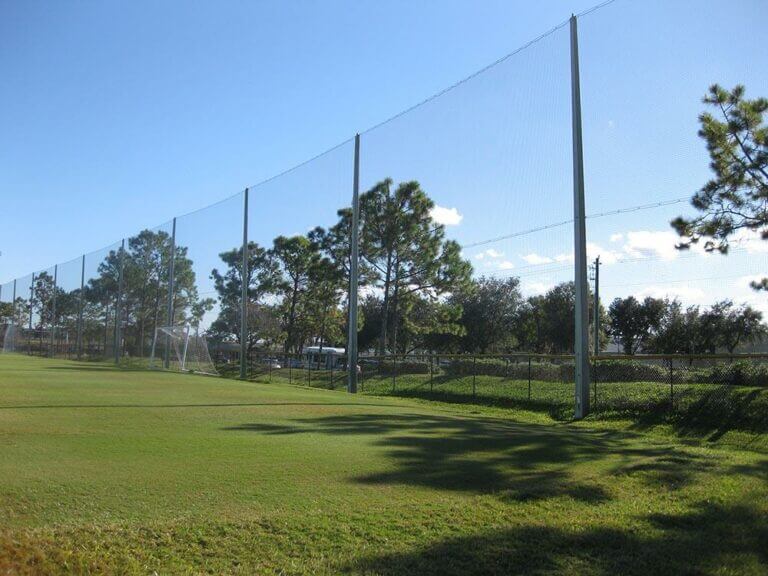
pixel 712 388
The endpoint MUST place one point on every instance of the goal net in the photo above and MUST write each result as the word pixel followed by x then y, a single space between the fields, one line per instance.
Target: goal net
pixel 181 348
pixel 12 338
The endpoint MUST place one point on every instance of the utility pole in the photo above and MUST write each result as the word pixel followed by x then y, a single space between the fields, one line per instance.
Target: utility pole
pixel 353 275
pixel 581 341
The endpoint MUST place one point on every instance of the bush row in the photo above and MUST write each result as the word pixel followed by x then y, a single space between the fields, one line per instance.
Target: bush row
pixel 740 373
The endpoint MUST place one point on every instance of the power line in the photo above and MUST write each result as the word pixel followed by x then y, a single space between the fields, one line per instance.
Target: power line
pixel 626 210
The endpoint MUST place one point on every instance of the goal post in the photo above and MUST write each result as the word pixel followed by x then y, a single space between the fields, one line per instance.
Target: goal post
pixel 188 349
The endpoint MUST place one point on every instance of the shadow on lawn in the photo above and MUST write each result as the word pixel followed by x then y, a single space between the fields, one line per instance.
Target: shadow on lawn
pixel 514 462
pixel 707 539
pixel 706 414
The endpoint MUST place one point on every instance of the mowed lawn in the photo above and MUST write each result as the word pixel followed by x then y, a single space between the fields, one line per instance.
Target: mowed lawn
pixel 116 471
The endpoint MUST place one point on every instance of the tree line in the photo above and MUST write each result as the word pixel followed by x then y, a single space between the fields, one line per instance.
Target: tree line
pixel 419 292
pixel 419 296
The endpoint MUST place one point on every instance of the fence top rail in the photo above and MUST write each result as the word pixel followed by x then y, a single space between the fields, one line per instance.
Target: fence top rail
pixel 735 356
pixel 532 355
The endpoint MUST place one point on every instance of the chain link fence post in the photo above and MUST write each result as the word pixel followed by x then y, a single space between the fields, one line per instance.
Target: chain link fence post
pixel 529 377
pixel 474 376
pixel 671 384
pixel 431 374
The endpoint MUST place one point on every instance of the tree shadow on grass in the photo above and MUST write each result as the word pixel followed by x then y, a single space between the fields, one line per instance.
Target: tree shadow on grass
pixel 514 462
pixel 708 415
pixel 560 411
pixel 708 538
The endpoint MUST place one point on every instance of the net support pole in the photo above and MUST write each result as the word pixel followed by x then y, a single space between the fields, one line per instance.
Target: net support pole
pixel 31 298
pixel 581 312
pixel 171 271
pixel 353 275
pixel 51 350
pixel 244 294
pixel 119 300
pixel 80 304
pixel 13 310
pixel 186 347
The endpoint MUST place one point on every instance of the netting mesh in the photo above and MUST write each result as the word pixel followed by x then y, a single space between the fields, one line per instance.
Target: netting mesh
pixel 186 347
pixel 466 194
pixel 643 80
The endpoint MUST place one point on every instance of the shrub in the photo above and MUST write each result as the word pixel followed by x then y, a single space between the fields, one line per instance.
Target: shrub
pixel 389 367
pixel 514 369
pixel 741 373
pixel 630 371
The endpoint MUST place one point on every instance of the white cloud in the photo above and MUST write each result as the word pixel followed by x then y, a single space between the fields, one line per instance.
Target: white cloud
pixel 536 288
pixel 446 216
pixel 743 293
pixel 534 259
pixel 506 265
pixel 593 250
pixel 686 294
pixel 647 244
pixel 749 240
pixel 490 253
pixel 617 237
pixel 607 257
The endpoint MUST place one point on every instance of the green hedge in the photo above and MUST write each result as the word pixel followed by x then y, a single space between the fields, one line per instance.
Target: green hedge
pixel 389 367
pixel 740 373
pixel 513 369
pixel 630 371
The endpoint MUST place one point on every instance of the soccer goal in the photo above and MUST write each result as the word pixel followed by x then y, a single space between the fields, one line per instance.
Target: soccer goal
pixel 181 348
pixel 13 338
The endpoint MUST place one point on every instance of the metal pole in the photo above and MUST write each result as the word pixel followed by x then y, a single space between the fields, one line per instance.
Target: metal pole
pixel 13 309
pixel 51 347
pixel 671 385
pixel 171 271
pixel 31 297
pixel 596 311
pixel 431 386
pixel 529 377
pixel 353 275
pixel 244 281
pixel 119 301
pixel 80 302
pixel 581 343
pixel 186 346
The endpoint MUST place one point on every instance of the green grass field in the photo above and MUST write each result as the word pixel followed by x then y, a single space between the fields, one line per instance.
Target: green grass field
pixel 132 472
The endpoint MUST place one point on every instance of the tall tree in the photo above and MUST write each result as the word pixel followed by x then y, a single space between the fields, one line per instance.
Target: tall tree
pixel 491 309
pixel 737 195
pixel 406 250
pixel 262 281
pixel 297 258
pixel 678 331
pixel 736 325
pixel 634 323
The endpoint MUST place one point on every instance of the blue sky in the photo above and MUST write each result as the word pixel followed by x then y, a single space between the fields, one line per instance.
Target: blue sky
pixel 119 116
